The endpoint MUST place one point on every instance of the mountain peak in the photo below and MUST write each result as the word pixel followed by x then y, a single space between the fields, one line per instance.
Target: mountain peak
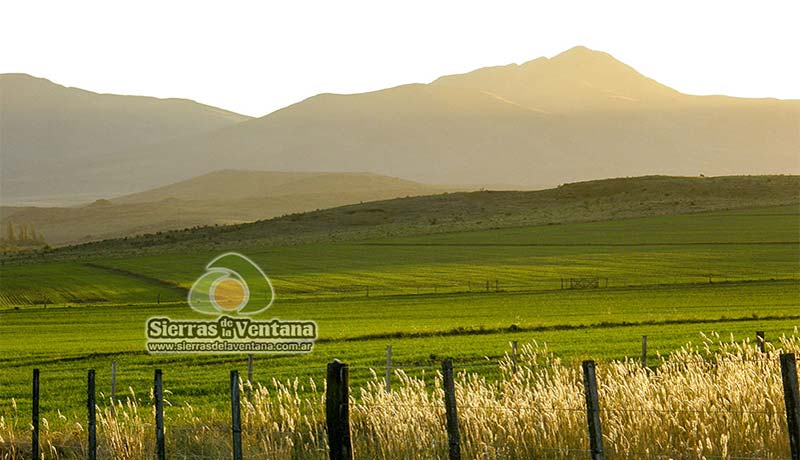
pixel 578 79
pixel 579 50
pixel 593 59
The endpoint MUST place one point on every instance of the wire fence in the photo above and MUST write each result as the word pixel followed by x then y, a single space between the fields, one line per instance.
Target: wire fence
pixel 537 410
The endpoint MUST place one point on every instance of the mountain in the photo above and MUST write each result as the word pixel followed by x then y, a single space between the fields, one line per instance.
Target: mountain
pixel 407 129
pixel 220 197
pixel 578 80
pixel 50 133
pixel 577 116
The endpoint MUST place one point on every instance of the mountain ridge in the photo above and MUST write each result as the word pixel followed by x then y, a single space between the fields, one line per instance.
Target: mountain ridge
pixel 577 116
pixel 50 132
pixel 44 80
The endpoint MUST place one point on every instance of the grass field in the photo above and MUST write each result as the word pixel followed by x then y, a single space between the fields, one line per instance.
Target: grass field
pixel 754 244
pixel 424 295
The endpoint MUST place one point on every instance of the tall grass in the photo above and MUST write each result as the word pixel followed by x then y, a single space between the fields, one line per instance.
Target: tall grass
pixel 719 399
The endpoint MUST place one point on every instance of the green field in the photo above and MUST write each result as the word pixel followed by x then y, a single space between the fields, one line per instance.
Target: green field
pixel 742 245
pixel 668 277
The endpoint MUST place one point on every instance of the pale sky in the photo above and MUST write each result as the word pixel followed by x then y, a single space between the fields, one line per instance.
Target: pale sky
pixel 254 57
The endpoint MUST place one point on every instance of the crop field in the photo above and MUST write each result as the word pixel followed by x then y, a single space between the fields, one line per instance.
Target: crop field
pixel 465 295
pixel 742 245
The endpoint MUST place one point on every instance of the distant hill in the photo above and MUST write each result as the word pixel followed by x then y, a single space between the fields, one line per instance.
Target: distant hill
pixel 599 200
pixel 580 115
pixel 51 133
pixel 238 184
pixel 221 197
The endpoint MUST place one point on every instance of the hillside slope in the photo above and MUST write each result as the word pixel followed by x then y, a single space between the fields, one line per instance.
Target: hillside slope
pixel 51 133
pixel 218 198
pixel 581 115
pixel 455 212
pixel 237 184
pixel 577 116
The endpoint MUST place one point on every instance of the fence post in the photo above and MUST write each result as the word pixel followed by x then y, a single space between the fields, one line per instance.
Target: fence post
pixel 593 411
pixel 644 351
pixel 451 412
pixel 337 411
pixel 250 378
pixel 158 394
pixel 35 415
pixel 791 398
pixel 388 378
pixel 760 341
pixel 92 415
pixel 514 355
pixel 236 419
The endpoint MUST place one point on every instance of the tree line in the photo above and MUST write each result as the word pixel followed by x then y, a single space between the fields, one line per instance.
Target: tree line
pixel 22 235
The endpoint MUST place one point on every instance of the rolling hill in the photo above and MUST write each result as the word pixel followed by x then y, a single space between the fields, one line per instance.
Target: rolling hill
pixel 217 198
pixel 600 200
pixel 238 184
pixel 50 133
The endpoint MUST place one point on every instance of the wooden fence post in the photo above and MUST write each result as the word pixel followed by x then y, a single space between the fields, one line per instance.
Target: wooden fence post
pixel 593 411
pixel 644 351
pixel 388 378
pixel 158 394
pixel 91 409
pixel 514 355
pixel 35 416
pixel 453 438
pixel 760 341
pixel 236 418
pixel 791 398
pixel 337 411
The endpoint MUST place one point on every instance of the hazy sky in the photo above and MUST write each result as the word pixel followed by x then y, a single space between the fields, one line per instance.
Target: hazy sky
pixel 257 56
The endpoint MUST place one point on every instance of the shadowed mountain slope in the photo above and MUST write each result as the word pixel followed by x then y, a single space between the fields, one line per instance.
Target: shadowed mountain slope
pixel 221 197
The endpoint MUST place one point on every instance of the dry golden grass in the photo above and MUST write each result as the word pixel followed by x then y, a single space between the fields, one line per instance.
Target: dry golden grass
pixel 718 400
